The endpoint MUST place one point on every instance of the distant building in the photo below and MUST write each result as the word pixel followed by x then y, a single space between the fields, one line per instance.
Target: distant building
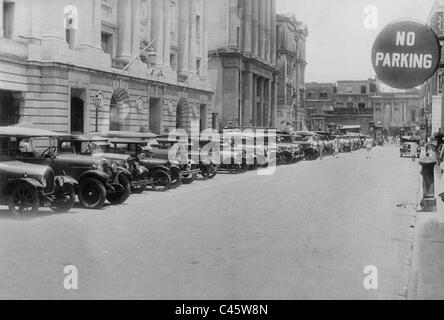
pixel 360 103
pixel 291 63
pixel 242 65
pixel 399 110
pixel 318 98
pixel 60 59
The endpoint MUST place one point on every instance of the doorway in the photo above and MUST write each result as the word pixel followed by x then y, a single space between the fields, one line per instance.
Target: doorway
pixel 155 115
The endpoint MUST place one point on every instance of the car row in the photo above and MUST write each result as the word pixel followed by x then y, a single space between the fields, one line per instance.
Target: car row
pixel 40 168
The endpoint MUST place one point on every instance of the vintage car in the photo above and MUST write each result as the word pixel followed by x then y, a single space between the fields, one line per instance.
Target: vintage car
pixel 26 187
pixel 287 150
pixel 99 147
pixel 163 175
pixel 229 158
pixel 98 180
pixel 164 147
pixel 158 170
pixel 201 151
pixel 345 144
pixel 254 143
pixel 309 143
pixel 407 144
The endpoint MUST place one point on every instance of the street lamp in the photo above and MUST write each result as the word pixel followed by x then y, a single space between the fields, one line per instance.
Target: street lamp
pixel 98 103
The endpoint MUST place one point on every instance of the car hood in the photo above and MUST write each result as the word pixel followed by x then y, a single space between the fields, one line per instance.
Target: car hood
pixel 112 156
pixel 19 168
pixel 79 159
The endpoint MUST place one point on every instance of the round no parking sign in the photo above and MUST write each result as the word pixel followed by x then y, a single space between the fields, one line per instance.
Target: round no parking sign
pixel 406 54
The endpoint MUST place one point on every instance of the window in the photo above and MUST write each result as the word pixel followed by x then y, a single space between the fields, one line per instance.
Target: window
pixel 413 115
pixel 363 89
pixel 323 95
pixel 361 105
pixel 107 43
pixel 173 61
pixel 350 105
pixel 198 66
pixel 309 95
pixel 349 89
pixel 8 19
pixel 198 27
pixel 214 120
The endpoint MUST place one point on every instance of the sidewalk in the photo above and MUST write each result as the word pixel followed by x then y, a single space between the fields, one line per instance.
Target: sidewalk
pixel 427 274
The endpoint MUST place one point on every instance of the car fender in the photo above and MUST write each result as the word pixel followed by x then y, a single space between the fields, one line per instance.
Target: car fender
pixel 163 168
pixel 29 181
pixel 125 171
pixel 97 174
pixel 175 167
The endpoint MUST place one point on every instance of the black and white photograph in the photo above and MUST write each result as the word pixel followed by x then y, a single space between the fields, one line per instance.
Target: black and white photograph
pixel 221 150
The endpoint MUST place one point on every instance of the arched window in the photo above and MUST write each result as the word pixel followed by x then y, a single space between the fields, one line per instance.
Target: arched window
pixel 180 114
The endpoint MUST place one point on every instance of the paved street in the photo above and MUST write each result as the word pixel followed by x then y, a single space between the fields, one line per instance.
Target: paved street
pixel 306 232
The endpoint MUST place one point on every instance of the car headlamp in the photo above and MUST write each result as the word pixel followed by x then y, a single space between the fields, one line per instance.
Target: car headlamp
pixel 60 182
pixel 44 182
pixel 114 167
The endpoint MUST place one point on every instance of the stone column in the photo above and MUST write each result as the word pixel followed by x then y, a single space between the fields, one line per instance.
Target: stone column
pixel 166 33
pixel 193 39
pixel 124 43
pixel 274 90
pixel 135 28
pixel 255 27
pixel 270 103
pixel 273 32
pixel 97 24
pixel 183 66
pixel 248 21
pixel 262 28
pixel 268 30
pixel 1 19
pixel 157 28
pixel 248 101
pixel 260 94
pixel 232 26
pixel 254 104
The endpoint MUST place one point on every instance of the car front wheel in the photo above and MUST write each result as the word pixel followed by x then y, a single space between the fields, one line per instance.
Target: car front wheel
pixel 161 181
pixel 24 201
pixel 65 199
pixel 122 195
pixel 92 193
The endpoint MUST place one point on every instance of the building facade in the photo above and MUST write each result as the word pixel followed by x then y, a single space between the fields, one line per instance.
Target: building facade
pixel 319 99
pixel 433 89
pixel 61 61
pixel 399 110
pixel 242 62
pixel 291 64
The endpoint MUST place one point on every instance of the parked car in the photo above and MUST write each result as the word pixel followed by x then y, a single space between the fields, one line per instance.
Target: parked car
pixel 201 151
pixel 98 181
pixel 25 187
pixel 137 144
pixel 287 150
pixel 309 143
pixel 99 147
pixel 176 153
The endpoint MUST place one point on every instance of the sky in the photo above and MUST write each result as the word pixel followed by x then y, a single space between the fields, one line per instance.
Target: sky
pixel 339 45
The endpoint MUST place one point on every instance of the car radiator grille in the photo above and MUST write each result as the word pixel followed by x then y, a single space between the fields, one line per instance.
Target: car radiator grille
pixel 49 182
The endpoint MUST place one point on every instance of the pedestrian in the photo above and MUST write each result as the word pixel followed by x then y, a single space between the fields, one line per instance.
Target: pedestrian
pixel 321 149
pixel 368 148
pixel 414 151
pixel 336 147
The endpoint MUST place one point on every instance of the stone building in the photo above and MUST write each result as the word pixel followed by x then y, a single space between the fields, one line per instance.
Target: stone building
pixel 399 110
pixel 60 60
pixel 242 65
pixel 291 63
pixel 433 89
pixel 318 99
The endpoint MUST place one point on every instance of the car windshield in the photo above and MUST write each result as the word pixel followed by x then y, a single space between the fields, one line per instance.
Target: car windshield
pixel 285 139
pixel 35 147
pixel 92 147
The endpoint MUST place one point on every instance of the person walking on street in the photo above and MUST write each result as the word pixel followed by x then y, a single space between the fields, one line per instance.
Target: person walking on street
pixel 414 151
pixel 336 147
pixel 368 148
pixel 321 149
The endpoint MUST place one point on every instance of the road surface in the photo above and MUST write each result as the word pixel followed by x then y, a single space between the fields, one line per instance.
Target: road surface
pixel 306 232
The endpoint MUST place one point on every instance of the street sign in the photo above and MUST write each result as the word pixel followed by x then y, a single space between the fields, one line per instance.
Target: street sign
pixel 406 54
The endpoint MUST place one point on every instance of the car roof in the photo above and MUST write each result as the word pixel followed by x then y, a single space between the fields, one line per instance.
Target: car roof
pixel 127 134
pixel 29 132
pixel 128 141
